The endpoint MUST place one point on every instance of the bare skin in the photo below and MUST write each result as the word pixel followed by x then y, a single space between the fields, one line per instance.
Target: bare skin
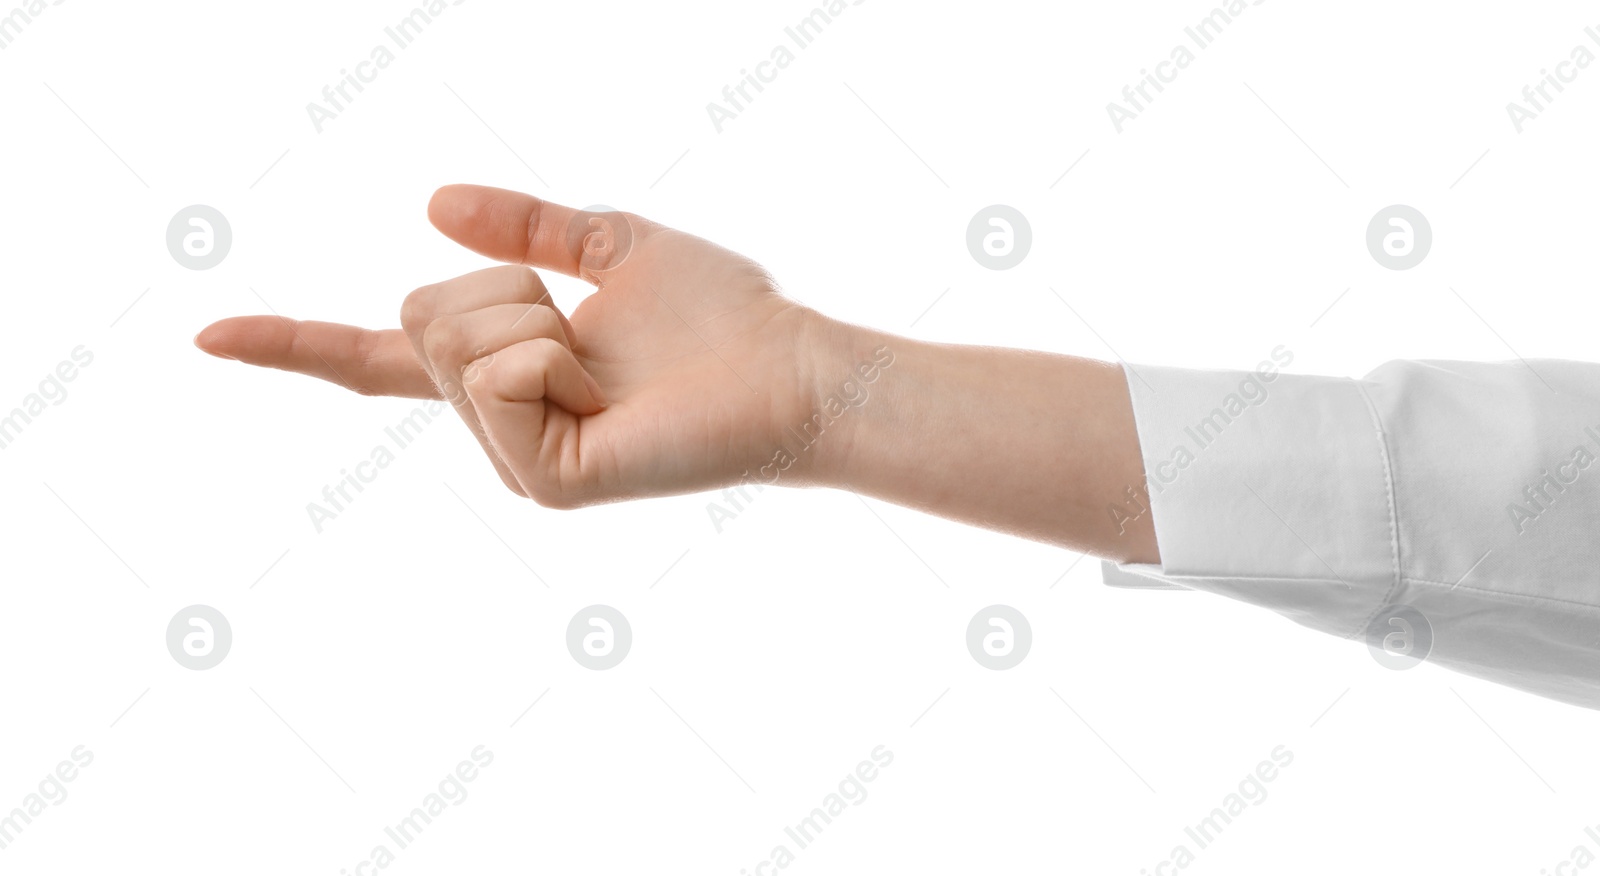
pixel 689 370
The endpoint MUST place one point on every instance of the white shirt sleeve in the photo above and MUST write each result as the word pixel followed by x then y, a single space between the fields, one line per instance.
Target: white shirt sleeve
pixel 1464 494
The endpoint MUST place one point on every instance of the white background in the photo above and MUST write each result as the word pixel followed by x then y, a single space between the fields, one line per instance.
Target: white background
pixel 809 631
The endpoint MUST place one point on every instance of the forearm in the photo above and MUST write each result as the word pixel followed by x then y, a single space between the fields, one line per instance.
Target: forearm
pixel 1035 444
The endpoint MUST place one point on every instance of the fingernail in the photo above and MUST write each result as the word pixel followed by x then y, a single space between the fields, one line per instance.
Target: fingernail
pixel 209 352
pixel 594 390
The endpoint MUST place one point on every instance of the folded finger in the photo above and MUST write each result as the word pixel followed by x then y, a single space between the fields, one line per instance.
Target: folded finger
pixel 513 390
pixel 455 345
pixel 452 342
pixel 452 323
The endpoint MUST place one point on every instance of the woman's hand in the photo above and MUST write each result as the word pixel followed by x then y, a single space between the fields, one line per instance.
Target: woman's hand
pixel 688 370
pixel 680 373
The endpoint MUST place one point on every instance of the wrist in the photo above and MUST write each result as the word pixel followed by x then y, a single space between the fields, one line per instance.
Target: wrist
pixel 850 375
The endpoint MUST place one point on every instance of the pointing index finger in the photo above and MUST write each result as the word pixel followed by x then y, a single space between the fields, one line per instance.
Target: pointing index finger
pixel 363 361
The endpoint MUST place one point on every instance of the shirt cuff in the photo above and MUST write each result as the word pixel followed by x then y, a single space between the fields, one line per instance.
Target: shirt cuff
pixel 1267 487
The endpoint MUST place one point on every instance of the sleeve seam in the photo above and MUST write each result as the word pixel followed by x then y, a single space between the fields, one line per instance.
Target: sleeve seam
pixel 1389 495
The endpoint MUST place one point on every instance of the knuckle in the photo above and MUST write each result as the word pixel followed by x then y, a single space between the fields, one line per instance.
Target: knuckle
pixel 365 352
pixel 363 355
pixel 547 350
pixel 441 339
pixel 544 354
pixel 417 309
pixel 482 382
pixel 544 320
pixel 525 284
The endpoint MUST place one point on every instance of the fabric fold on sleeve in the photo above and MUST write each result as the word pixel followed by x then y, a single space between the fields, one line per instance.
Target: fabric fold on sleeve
pixel 1459 501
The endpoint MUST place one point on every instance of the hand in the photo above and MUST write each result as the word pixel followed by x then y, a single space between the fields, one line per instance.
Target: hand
pixel 688 370
pixel 680 373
